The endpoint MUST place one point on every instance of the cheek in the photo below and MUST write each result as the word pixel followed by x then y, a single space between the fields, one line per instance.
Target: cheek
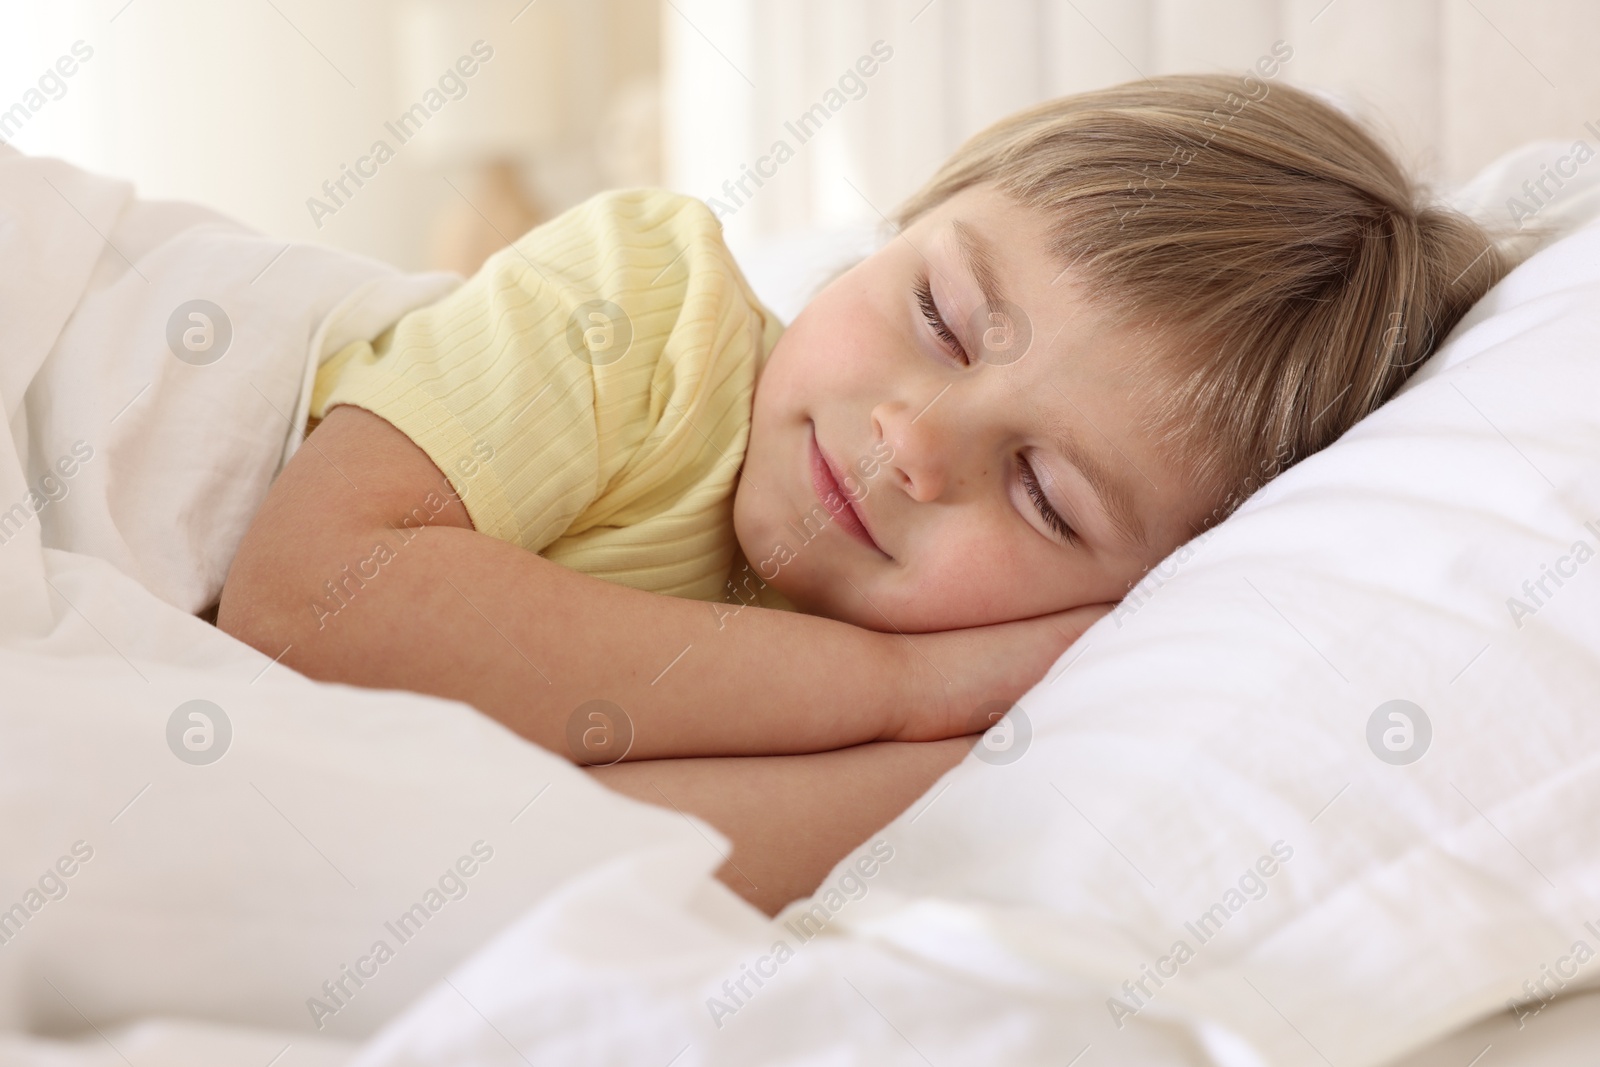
pixel 976 571
pixel 984 571
pixel 821 368
pixel 834 340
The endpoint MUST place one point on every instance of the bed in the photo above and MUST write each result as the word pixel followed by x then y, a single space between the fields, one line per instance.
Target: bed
pixel 1343 749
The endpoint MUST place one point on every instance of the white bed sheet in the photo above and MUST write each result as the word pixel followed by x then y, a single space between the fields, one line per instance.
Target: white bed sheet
pixel 1563 1035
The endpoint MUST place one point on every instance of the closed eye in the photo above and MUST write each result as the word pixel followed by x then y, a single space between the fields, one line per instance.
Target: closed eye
pixel 1052 518
pixel 930 311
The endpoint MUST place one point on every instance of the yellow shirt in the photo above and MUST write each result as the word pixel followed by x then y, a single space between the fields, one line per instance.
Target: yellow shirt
pixel 588 392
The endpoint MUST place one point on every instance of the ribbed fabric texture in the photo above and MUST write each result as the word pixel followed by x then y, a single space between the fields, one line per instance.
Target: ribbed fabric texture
pixel 612 454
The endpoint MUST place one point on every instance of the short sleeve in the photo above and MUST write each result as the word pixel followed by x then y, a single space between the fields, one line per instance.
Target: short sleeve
pixel 598 372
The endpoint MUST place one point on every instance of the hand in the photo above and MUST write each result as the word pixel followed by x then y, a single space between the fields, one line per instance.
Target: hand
pixel 954 674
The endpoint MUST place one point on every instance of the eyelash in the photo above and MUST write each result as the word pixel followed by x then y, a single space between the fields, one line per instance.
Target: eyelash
pixel 930 311
pixel 1030 482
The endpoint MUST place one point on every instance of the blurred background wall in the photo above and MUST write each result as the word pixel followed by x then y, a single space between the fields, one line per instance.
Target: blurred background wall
pixel 252 105
pixel 1451 84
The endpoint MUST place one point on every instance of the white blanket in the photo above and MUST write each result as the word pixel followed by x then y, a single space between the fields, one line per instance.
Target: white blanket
pixel 134 883
pixel 156 358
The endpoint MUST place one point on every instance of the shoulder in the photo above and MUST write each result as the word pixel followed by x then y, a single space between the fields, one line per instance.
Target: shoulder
pixel 652 205
pixel 640 243
pixel 643 269
pixel 647 212
pixel 650 249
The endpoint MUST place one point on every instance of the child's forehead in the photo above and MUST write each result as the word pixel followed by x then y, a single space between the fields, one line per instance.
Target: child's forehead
pixel 995 257
pixel 1002 247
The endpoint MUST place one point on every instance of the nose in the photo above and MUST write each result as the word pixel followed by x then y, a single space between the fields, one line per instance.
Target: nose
pixel 921 443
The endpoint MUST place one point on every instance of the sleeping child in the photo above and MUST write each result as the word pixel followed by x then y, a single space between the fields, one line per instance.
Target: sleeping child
pixel 766 573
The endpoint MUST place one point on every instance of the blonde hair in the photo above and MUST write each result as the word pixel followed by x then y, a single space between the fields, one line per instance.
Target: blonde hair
pixel 1296 274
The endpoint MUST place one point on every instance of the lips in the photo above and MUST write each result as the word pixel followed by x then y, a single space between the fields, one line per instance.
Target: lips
pixel 828 488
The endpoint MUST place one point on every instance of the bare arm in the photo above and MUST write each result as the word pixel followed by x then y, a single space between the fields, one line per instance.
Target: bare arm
pixel 446 610
pixel 791 818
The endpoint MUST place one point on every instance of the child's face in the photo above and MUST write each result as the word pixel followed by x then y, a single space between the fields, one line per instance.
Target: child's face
pixel 927 449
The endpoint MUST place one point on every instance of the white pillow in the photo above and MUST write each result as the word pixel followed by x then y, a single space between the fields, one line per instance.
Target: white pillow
pixel 785 271
pixel 1545 189
pixel 1239 707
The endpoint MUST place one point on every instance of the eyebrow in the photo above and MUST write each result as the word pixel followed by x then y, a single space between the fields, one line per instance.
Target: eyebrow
pixel 1115 499
pixel 979 260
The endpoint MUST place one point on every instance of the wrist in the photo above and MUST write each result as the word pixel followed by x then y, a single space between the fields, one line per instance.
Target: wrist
pixel 919 695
